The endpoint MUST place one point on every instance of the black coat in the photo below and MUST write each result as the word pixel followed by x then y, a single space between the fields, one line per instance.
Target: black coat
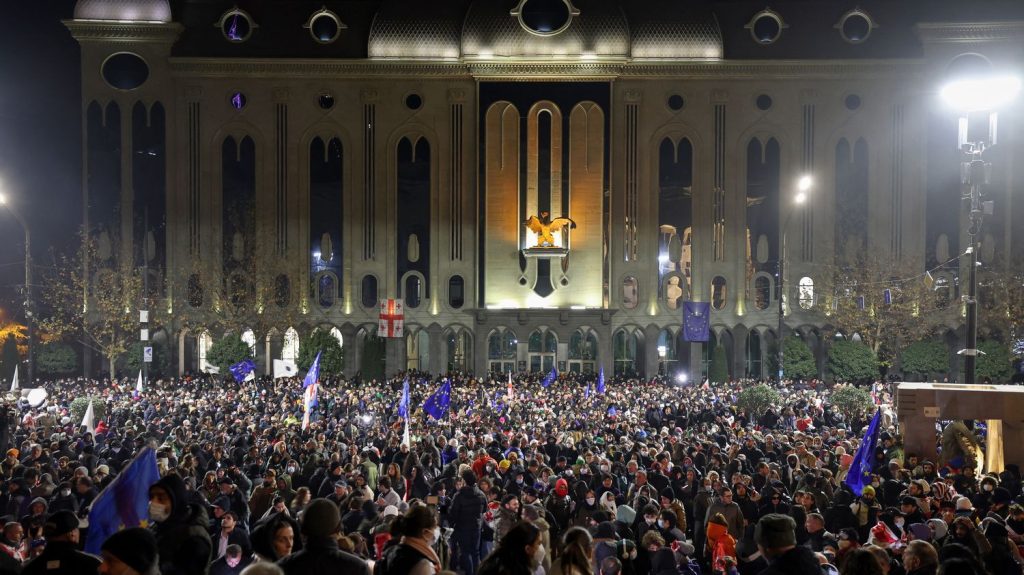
pixel 796 561
pixel 65 558
pixel 467 511
pixel 322 556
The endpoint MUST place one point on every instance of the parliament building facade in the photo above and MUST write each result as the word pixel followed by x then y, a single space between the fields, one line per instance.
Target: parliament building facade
pixel 318 157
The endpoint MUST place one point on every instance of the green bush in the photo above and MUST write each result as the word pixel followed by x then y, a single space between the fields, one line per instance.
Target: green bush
pixel 719 370
pixel 852 401
pixel 372 365
pixel 80 404
pixel 755 400
pixel 996 363
pixel 332 359
pixel 227 351
pixel 923 359
pixel 56 359
pixel 161 362
pixel 798 361
pixel 852 361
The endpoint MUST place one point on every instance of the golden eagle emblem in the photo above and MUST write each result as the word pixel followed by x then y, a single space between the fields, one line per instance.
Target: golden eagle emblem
pixel 545 229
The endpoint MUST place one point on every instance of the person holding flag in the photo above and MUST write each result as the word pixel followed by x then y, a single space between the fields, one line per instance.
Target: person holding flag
pixel 309 391
pixel 600 381
pixel 138 387
pixel 125 502
pixel 858 479
pixel 403 411
pixel 244 370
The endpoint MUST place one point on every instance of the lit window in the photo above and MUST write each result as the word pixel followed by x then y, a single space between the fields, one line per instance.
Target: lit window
pixel 806 287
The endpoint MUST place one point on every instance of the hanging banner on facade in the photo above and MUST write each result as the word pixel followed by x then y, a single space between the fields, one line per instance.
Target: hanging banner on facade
pixel 696 320
pixel 391 321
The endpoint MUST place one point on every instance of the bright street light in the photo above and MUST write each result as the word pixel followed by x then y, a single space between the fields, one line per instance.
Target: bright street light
pixel 804 184
pixel 980 93
pixel 800 198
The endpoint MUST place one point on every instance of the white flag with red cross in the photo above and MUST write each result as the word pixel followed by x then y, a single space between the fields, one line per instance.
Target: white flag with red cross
pixel 391 321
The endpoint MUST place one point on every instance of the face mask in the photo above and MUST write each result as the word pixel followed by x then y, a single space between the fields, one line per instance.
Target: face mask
pixel 988 487
pixel 233 562
pixel 899 522
pixel 290 470
pixel 519 480
pixel 650 520
pixel 605 468
pixel 590 500
pixel 663 524
pixel 158 512
pixel 874 484
pixel 65 492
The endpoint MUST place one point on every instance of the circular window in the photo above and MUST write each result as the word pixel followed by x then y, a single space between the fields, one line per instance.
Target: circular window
pixel 238 100
pixel 676 102
pixel 855 27
pixel 236 26
pixel 326 101
pixel 764 102
pixel 324 26
pixel 413 101
pixel 125 71
pixel 766 27
pixel 852 102
pixel 545 17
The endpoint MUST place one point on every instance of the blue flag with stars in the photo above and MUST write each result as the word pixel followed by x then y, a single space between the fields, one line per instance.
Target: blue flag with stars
pixel 550 377
pixel 244 370
pixel 312 376
pixel 437 404
pixel 600 381
pixel 125 502
pixel 403 406
pixel 696 320
pixel 860 469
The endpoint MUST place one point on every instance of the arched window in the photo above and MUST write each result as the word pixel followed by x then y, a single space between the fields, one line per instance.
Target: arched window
pixel 205 343
pixel 501 351
pixel 412 292
pixel 459 350
pixel 630 292
pixel 290 349
pixel 718 293
pixel 456 292
pixel 942 291
pixel 806 293
pixel 762 292
pixel 369 291
pixel 336 334
pixel 667 357
pixel 326 290
pixel 626 348
pixel 754 364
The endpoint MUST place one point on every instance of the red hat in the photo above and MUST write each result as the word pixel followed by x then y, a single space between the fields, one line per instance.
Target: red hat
pixel 561 487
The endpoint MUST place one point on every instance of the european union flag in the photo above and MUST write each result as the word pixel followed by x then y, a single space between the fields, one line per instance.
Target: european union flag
pixel 125 502
pixel 244 370
pixel 550 377
pixel 600 381
pixel 586 392
pixel 437 404
pixel 312 377
pixel 860 469
pixel 696 320
pixel 403 405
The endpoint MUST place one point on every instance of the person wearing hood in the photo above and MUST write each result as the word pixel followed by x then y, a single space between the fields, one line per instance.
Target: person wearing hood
pixel 775 536
pixel 466 516
pixel 181 528
pixel 32 522
pixel 559 505
pixel 63 499
pixel 321 525
pixel 130 552
pixel 61 555
pixel 1004 557
pixel 535 514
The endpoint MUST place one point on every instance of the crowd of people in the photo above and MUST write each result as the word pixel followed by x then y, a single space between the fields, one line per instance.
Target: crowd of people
pixel 638 477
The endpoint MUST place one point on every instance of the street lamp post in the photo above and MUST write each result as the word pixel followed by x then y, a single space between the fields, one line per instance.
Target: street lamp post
pixel 975 90
pixel 29 308
pixel 803 187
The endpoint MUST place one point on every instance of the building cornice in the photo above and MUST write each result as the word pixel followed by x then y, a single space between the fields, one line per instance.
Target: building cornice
pixel 543 71
pixel 970 32
pixel 108 31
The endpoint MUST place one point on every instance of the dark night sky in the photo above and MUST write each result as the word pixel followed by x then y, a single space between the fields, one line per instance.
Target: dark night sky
pixel 40 136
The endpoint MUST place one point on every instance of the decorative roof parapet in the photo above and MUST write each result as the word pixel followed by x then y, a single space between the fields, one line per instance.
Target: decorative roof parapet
pixel 102 31
pixel 970 32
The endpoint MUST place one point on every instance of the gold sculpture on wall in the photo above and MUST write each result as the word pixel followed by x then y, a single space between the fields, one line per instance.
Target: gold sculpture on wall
pixel 545 229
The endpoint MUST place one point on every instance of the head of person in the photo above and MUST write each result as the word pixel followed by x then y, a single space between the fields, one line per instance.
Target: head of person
pixel 861 562
pixel 14 532
pixel 814 523
pixel 775 534
pixel 321 520
pixel 522 546
pixel 919 554
pixel 419 522
pixel 131 552
pixel 61 526
pixel 282 539
pixel 577 550
pixel 228 522
pixel 167 498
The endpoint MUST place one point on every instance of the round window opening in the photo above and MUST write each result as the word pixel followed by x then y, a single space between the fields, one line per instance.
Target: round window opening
pixel 545 17
pixel 855 27
pixel 764 102
pixel 238 100
pixel 236 26
pixel 676 102
pixel 413 101
pixel 326 101
pixel 125 71
pixel 852 102
pixel 324 27
pixel 766 28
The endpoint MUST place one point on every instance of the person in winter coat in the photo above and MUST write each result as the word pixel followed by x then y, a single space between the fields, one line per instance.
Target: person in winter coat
pixel 466 515
pixel 415 553
pixel 181 528
pixel 720 543
pixel 730 510
pixel 321 525
pixel 508 516
pixel 61 555
pixel 775 536
pixel 577 554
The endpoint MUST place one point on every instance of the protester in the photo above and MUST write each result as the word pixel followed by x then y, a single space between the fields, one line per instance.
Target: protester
pixel 321 525
pixel 61 555
pixel 130 552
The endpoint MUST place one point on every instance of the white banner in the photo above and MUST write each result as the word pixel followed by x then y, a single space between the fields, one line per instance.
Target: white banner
pixel 283 368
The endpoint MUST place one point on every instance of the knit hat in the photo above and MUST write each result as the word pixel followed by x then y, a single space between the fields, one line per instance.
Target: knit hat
pixel 60 523
pixel 390 511
pixel 321 518
pixel 135 547
pixel 939 527
pixel 775 530
pixel 561 487
pixel 1001 495
pixel 605 530
pixel 920 531
pixel 868 490
pixel 504 465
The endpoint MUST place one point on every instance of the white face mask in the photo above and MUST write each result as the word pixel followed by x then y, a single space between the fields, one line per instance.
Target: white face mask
pixel 590 500
pixel 158 512
pixel 650 520
pixel 899 522
pixel 663 524
pixel 65 492
pixel 435 535
pixel 290 470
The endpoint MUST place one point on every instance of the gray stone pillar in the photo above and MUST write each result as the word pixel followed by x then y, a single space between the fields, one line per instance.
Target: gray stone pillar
pixel 696 360
pixel 606 353
pixel 349 350
pixel 650 357
pixel 394 355
pixel 438 352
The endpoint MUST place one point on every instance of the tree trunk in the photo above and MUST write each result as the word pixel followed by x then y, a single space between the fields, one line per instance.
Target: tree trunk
pixel 112 359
